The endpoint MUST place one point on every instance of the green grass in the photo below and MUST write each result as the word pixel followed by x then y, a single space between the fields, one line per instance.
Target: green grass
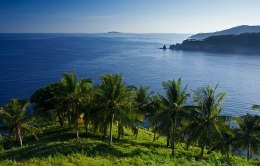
pixel 58 147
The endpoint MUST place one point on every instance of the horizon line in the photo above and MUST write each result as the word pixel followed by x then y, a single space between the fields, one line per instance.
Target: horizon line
pixel 109 32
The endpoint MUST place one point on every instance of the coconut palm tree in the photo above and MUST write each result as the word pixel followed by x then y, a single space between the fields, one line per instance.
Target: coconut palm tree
pixel 142 100
pixel 15 118
pixel 98 117
pixel 206 122
pixel 75 93
pixel 248 133
pixel 117 100
pixel 153 107
pixel 91 106
pixel 162 126
pixel 223 143
pixel 174 103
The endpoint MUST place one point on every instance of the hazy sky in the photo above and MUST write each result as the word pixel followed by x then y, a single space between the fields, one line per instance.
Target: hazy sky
pixel 139 16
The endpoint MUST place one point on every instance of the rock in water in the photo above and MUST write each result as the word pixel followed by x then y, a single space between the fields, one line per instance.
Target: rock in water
pixel 164 47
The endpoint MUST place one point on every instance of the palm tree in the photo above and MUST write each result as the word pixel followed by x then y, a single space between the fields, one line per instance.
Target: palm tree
pixel 153 108
pixel 91 106
pixel 142 100
pixel 162 125
pixel 223 143
pixel 15 118
pixel 206 121
pixel 248 133
pixel 98 116
pixel 117 100
pixel 75 94
pixel 174 103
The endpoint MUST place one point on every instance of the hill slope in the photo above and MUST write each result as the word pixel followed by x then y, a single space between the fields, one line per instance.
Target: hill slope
pixel 55 148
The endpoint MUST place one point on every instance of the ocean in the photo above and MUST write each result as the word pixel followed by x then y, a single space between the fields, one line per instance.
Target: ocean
pixel 31 61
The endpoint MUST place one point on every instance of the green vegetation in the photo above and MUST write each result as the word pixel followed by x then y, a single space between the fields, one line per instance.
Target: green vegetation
pixel 15 119
pixel 57 146
pixel 107 121
pixel 206 124
pixel 248 134
pixel 173 106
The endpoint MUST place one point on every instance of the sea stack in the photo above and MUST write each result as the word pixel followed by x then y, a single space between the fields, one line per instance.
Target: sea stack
pixel 164 47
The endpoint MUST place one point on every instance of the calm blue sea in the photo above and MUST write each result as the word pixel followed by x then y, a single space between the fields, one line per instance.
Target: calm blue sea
pixel 30 61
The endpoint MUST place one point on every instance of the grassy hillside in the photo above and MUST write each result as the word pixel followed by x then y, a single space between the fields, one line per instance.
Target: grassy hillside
pixel 57 146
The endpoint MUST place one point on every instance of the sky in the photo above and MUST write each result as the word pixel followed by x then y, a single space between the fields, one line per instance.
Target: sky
pixel 130 16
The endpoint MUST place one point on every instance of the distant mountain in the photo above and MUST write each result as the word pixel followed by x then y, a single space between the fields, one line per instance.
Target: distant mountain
pixel 114 32
pixel 243 43
pixel 232 31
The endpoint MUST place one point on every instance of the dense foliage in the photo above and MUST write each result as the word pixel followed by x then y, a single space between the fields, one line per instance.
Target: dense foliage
pixel 115 107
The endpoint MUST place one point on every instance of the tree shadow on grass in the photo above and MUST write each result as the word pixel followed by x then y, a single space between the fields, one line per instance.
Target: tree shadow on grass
pixel 153 145
pixel 53 142
pixel 42 150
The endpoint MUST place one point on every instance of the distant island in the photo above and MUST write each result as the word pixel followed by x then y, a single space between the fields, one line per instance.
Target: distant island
pixel 232 31
pixel 114 32
pixel 243 43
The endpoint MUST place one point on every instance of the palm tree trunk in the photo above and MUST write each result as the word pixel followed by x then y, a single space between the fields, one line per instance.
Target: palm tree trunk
pixel 77 130
pixel 111 127
pixel 70 122
pixel 173 133
pixel 248 151
pixel 204 143
pixel 137 130
pixel 86 127
pixel 61 121
pixel 86 122
pixel 154 136
pixel 104 131
pixel 77 135
pixel 228 149
pixel 19 136
pixel 119 131
pixel 202 149
pixel 168 140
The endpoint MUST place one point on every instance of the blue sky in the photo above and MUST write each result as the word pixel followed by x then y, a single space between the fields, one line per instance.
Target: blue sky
pixel 137 16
